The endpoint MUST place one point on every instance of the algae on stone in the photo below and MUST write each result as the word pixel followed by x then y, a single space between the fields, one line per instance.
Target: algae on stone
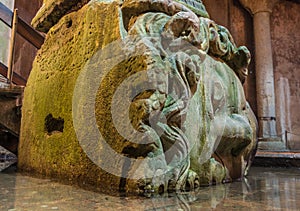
pixel 160 83
pixel 69 44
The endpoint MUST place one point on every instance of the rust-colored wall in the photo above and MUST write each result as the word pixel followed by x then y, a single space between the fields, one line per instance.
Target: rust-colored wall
pixel 285 31
pixel 218 10
pixel 231 14
pixel 285 26
pixel 24 51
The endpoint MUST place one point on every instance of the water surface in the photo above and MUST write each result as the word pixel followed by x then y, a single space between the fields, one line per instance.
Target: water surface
pixel 263 189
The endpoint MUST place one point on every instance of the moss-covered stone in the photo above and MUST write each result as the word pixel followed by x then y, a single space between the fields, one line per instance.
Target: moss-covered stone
pixel 207 121
pixel 53 10
pixel 69 44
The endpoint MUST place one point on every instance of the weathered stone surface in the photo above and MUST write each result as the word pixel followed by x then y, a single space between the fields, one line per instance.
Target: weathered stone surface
pixel 52 11
pixel 181 123
pixel 285 30
pixel 68 45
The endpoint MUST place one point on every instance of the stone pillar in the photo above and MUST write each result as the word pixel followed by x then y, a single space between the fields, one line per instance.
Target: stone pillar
pixel 261 11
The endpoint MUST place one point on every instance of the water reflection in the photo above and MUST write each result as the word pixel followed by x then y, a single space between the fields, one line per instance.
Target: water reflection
pixel 203 198
pixel 264 189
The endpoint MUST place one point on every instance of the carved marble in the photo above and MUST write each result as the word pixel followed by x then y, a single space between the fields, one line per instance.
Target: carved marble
pixel 195 118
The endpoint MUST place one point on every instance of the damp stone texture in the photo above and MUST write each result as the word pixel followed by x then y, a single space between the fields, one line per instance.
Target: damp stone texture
pixel 136 96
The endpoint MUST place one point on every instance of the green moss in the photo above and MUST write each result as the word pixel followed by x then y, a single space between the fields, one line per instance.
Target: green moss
pixel 50 90
pixel 68 47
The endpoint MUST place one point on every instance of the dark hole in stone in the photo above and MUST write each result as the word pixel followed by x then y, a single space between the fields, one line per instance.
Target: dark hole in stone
pixel 161 189
pixel 141 150
pixel 69 23
pixel 54 124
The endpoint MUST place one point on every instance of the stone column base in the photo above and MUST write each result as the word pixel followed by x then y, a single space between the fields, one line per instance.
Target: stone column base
pixel 272 144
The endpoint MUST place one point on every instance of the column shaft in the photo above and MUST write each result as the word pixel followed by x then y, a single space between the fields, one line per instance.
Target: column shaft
pixel 264 75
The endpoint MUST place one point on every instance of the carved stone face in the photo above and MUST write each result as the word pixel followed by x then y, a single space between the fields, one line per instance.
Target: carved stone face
pixel 179 89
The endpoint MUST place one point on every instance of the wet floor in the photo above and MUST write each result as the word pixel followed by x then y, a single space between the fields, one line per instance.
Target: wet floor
pixel 264 189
